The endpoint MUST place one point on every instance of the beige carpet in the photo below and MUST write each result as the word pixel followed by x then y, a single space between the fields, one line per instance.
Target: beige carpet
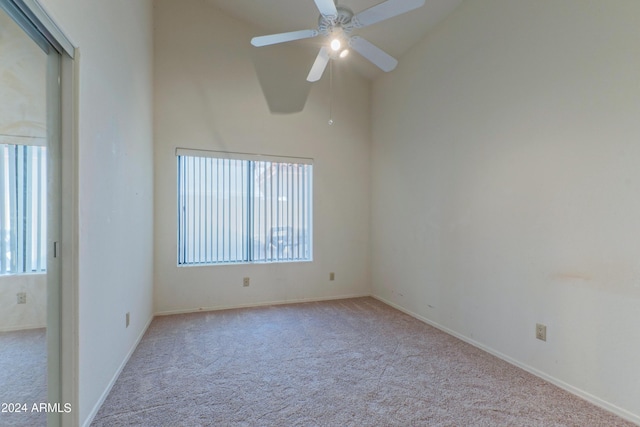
pixel 23 375
pixel 353 362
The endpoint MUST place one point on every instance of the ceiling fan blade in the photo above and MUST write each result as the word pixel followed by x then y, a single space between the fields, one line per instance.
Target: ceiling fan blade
pixel 283 37
pixel 386 10
pixel 379 57
pixel 319 65
pixel 327 7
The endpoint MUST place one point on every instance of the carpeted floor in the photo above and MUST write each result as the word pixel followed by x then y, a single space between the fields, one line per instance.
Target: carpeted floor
pixel 23 376
pixel 355 362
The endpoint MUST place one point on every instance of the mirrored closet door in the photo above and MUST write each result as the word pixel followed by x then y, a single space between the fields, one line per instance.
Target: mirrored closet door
pixel 29 218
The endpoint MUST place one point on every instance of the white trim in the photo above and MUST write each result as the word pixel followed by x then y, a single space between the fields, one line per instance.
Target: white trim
pixel 257 304
pixel 242 156
pixel 46 25
pixel 70 84
pixel 23 328
pixel 114 378
pixel 623 413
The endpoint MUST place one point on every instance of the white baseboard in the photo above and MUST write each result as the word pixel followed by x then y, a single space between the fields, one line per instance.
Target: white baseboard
pixel 623 413
pixel 257 304
pixel 22 328
pixel 113 380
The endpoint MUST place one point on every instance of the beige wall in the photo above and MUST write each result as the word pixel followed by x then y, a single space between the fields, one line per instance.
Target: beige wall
pixel 23 67
pixel 505 187
pixel 207 96
pixel 32 314
pixel 115 184
pixel 504 180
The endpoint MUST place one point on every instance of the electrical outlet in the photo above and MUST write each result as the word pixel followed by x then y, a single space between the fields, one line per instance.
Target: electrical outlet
pixel 245 282
pixel 127 319
pixel 332 276
pixel 541 331
pixel 22 297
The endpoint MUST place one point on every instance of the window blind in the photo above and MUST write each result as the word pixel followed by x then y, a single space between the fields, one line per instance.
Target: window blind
pixel 23 202
pixel 235 208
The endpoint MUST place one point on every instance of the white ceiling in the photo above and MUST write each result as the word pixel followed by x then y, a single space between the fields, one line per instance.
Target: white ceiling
pixel 395 36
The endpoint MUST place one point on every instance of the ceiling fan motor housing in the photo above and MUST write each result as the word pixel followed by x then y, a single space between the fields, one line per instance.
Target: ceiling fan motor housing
pixel 326 24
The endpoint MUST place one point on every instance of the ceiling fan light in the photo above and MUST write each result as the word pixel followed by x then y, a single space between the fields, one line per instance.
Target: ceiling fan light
pixel 336 45
pixel 344 53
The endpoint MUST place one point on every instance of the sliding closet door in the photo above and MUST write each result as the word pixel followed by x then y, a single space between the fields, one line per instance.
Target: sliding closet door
pixel 30 212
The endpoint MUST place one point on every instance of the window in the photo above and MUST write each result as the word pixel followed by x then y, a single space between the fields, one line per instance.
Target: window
pixel 23 203
pixel 235 208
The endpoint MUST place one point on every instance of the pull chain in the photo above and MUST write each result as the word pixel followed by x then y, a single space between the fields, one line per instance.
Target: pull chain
pixel 330 92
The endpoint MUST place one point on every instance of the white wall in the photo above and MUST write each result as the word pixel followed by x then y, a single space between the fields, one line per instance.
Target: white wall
pixel 505 187
pixel 115 158
pixel 207 96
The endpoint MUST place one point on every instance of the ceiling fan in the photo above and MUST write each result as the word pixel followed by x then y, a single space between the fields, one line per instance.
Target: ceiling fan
pixel 336 23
